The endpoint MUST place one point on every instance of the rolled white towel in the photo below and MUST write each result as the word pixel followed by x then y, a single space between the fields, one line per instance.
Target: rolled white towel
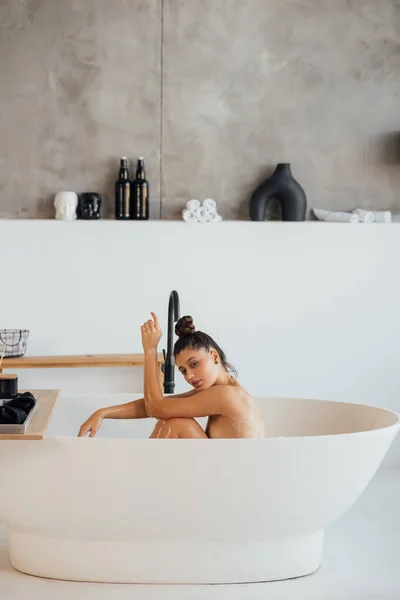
pixel 192 204
pixel 210 204
pixel 202 215
pixel 211 211
pixel 189 216
pixel 213 217
pixel 366 216
pixel 382 216
pixel 320 213
pixel 335 216
pixel 342 217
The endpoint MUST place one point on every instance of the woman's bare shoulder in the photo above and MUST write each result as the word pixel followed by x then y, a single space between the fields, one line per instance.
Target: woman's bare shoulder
pixel 239 389
pixel 184 394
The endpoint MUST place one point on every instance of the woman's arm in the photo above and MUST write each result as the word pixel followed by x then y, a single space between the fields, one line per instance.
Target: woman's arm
pixel 130 410
pixel 136 409
pixel 213 401
pixel 151 335
pixel 217 400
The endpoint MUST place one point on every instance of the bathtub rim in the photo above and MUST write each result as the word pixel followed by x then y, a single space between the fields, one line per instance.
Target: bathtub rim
pixel 377 430
pixel 282 437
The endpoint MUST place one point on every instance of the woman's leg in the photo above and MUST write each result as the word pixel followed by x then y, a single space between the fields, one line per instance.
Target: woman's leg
pixel 178 428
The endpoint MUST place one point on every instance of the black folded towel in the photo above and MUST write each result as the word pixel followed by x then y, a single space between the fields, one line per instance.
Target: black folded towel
pixel 17 409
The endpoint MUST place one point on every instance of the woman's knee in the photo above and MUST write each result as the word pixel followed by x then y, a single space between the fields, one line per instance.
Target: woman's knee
pixel 179 422
pixel 186 427
pixel 169 427
pixel 178 427
pixel 158 429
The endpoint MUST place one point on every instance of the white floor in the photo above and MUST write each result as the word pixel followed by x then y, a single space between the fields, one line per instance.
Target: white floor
pixel 361 561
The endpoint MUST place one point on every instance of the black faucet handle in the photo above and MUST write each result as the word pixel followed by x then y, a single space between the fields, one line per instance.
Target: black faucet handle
pixel 163 365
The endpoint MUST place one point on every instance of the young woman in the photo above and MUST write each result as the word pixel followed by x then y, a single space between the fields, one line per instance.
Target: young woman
pixel 216 393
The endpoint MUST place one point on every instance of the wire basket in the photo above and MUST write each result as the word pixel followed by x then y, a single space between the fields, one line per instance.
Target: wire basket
pixel 13 341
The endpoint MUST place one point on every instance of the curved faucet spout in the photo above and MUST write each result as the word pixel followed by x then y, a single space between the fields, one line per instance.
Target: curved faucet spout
pixel 169 364
pixel 173 316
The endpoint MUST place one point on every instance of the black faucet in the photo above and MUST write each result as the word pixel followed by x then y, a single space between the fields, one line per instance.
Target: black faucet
pixel 169 362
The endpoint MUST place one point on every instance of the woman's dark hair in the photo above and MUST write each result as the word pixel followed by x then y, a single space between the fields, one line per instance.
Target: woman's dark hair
pixel 190 338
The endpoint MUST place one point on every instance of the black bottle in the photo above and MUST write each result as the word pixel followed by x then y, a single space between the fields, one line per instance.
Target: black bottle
pixel 123 191
pixel 140 193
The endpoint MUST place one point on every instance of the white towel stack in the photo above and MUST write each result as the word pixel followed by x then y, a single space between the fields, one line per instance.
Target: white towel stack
pixel 382 216
pixel 366 216
pixel 332 216
pixel 357 216
pixel 195 213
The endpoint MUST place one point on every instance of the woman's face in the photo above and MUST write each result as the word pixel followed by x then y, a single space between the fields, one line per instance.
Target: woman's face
pixel 199 367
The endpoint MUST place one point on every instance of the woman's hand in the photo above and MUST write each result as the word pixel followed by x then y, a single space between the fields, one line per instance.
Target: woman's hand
pixel 92 424
pixel 151 333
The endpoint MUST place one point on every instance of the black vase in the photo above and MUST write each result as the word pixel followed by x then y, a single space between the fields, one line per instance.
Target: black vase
pixel 289 193
pixel 89 206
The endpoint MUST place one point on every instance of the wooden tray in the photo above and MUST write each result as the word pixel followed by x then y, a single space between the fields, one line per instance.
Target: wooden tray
pixel 19 427
pixel 45 401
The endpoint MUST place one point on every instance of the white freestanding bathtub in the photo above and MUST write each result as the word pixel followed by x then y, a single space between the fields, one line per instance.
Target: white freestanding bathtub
pixel 130 509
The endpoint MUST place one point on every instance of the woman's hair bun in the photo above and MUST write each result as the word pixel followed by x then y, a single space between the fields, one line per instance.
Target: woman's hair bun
pixel 184 326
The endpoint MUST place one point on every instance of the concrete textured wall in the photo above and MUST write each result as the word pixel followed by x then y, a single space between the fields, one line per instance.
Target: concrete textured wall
pixel 212 92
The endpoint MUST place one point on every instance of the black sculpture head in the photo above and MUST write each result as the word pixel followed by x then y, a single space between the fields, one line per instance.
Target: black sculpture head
pixel 89 206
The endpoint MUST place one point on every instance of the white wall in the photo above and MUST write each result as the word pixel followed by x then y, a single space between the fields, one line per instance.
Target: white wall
pixel 302 309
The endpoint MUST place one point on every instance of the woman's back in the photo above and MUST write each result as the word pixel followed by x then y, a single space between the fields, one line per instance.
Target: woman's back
pixel 245 420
